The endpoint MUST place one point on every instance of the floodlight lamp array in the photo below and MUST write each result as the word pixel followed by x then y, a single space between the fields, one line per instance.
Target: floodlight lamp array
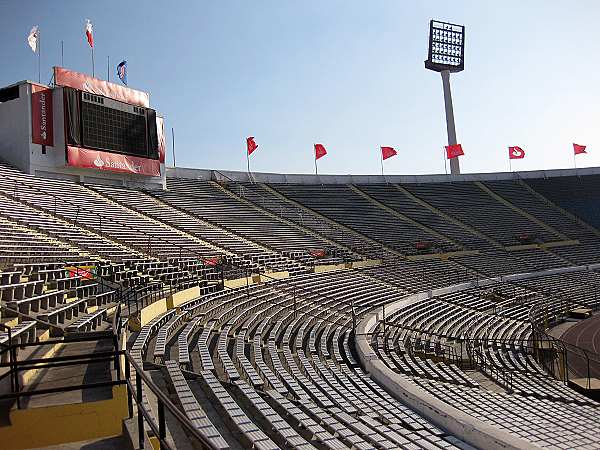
pixel 446 47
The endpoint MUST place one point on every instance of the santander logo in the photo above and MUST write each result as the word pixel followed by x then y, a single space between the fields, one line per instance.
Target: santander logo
pixel 517 151
pixel 98 162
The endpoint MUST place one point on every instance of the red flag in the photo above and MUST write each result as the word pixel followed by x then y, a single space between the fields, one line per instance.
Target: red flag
pixel 452 151
pixel 89 32
pixel 251 144
pixel 579 149
pixel 516 153
pixel 320 151
pixel 388 152
pixel 212 261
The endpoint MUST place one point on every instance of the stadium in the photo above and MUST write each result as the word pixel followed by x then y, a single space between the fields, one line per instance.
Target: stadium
pixel 146 306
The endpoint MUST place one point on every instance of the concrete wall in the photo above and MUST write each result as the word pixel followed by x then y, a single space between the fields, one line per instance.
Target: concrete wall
pixel 15 130
pixel 61 424
pixel 153 310
pixel 178 298
pixel 265 177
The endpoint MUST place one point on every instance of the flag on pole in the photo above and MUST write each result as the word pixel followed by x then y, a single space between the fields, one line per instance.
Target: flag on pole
pixel 579 149
pixel 516 153
pixel 122 72
pixel 251 145
pixel 320 151
pixel 89 32
pixel 33 37
pixel 388 152
pixel 452 151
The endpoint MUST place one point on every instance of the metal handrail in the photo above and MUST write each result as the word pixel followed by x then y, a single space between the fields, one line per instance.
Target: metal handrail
pixel 561 346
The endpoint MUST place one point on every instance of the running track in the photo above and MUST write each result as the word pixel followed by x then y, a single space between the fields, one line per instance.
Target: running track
pixel 586 335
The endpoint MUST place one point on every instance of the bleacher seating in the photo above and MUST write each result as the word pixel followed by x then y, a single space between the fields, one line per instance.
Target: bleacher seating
pixel 209 202
pixel 473 206
pixel 272 364
pixel 342 204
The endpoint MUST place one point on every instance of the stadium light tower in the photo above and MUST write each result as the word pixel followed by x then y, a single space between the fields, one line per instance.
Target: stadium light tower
pixel 446 54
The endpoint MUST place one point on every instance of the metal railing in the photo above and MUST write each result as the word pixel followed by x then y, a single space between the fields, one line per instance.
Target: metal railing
pixel 564 360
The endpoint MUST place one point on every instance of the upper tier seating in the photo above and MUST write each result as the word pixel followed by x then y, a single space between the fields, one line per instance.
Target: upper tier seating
pixel 207 201
pixel 195 226
pixel 476 208
pixel 342 204
pixel 63 230
pixel 20 244
pixel 392 197
pixel 260 195
pixel 94 212
pixel 578 195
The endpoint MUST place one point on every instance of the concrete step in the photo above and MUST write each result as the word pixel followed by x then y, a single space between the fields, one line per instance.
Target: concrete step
pixel 485 382
pixel 110 443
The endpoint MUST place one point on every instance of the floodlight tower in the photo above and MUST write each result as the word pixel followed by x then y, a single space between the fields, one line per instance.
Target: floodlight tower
pixel 446 54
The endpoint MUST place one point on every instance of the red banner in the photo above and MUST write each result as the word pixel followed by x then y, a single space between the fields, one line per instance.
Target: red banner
pixel 41 116
pixel 320 151
pixel 579 149
pixel 87 272
pixel 453 151
pixel 95 159
pixel 160 134
pixel 388 152
pixel 516 153
pixel 83 82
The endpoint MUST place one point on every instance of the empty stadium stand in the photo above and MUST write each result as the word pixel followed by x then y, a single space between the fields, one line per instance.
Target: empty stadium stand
pixel 228 314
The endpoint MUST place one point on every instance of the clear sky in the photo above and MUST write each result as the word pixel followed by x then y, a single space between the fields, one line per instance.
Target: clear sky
pixel 345 73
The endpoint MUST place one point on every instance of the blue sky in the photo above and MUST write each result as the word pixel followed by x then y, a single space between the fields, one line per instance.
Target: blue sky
pixel 348 74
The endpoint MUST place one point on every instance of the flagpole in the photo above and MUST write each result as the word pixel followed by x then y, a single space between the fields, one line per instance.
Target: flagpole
pixel 62 53
pixel 445 158
pixel 381 151
pixel 108 68
pixel 93 71
pixel 316 170
pixel 248 161
pixel 173 145
pixel 39 43
pixel 509 163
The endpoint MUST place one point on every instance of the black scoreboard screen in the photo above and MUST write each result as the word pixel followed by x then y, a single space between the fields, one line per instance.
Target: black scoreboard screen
pixel 101 123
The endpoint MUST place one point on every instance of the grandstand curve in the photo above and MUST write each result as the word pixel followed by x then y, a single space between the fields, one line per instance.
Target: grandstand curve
pixel 263 315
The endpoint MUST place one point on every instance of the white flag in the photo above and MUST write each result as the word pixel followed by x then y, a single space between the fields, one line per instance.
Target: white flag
pixel 33 37
pixel 89 32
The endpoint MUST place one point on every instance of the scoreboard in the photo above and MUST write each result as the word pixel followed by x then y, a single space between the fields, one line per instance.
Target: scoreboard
pixel 101 123
pixel 113 126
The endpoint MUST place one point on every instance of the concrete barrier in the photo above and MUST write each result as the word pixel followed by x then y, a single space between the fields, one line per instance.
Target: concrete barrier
pixel 468 428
